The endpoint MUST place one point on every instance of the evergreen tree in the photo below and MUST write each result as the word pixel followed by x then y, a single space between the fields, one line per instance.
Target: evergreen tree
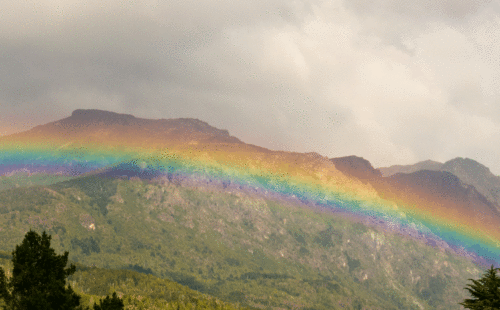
pixel 485 292
pixel 113 303
pixel 38 279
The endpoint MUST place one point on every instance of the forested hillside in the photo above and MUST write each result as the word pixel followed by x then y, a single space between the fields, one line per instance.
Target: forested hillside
pixel 239 246
pixel 137 290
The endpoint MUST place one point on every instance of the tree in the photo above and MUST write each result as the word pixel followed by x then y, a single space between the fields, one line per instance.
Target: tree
pixel 38 279
pixel 485 292
pixel 113 303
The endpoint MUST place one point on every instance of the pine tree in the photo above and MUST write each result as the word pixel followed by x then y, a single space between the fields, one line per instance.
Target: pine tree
pixel 38 279
pixel 113 303
pixel 485 292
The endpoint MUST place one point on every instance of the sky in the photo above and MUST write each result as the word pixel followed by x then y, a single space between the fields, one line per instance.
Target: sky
pixel 393 81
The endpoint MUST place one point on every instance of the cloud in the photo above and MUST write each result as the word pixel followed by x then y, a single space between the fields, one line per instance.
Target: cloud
pixel 393 81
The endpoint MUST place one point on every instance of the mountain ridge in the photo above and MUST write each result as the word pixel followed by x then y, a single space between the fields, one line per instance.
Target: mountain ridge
pixel 467 170
pixel 191 135
pixel 440 190
pixel 357 167
pixel 121 144
pixel 97 125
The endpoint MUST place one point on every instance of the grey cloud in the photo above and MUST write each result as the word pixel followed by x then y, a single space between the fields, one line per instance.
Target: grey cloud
pixel 392 81
pixel 112 48
pixel 396 21
pixel 422 11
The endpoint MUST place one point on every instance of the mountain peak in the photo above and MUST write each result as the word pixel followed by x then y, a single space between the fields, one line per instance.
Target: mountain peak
pixel 100 116
pixel 357 167
pixel 466 164
pixel 99 126
pixel 423 165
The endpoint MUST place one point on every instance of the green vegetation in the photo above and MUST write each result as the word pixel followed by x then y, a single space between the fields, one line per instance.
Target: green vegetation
pixel 38 281
pixel 109 303
pixel 239 247
pixel 38 277
pixel 140 291
pixel 24 179
pixel 485 292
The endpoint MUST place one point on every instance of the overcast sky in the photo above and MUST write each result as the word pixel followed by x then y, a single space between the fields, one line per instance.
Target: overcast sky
pixel 393 81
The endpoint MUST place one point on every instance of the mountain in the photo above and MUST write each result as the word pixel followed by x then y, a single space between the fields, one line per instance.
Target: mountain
pixel 97 126
pixel 467 170
pixel 423 165
pixel 91 140
pixel 445 190
pixel 440 191
pixel 473 173
pixel 188 202
pixel 356 167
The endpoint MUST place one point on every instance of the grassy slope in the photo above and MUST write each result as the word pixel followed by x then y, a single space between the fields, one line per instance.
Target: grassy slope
pixel 241 248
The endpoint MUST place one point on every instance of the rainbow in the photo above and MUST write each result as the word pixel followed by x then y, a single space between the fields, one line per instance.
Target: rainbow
pixel 241 165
